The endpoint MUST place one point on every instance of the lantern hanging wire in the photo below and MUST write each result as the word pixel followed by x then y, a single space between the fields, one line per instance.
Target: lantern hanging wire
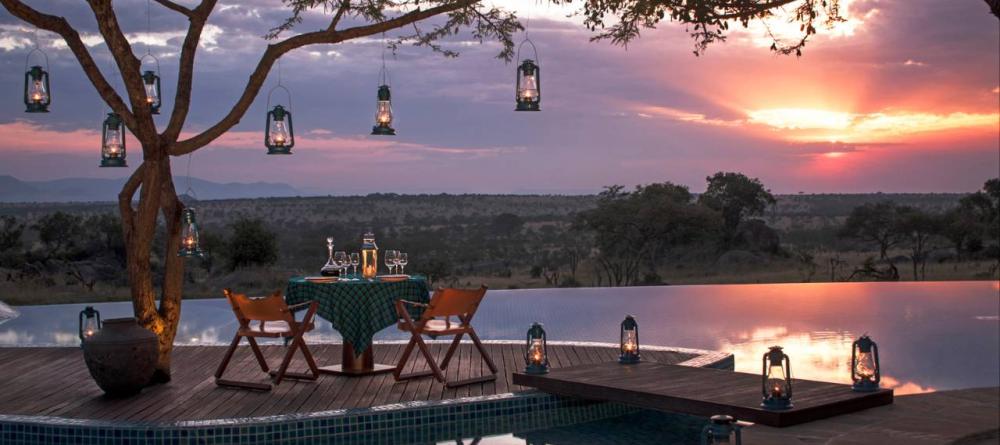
pixel 279 133
pixel 528 93
pixel 37 93
pixel 150 78
pixel 383 105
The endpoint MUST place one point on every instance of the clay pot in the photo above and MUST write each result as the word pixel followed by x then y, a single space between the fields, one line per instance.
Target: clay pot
pixel 121 356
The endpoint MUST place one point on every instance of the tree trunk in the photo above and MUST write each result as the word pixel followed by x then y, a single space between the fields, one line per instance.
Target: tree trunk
pixel 139 224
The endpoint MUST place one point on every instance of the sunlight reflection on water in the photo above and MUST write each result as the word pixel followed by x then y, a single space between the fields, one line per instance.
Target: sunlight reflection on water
pixel 913 323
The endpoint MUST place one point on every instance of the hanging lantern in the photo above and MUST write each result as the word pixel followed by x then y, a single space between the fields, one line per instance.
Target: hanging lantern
pixel 190 246
pixel 528 93
pixel 776 381
pixel 37 95
pixel 369 256
pixel 865 370
pixel 629 341
pixel 279 135
pixel 151 81
pixel 722 430
pixel 113 142
pixel 383 113
pixel 90 322
pixel 536 359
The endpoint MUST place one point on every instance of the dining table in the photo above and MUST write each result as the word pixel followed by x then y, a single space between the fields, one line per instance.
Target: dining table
pixel 358 308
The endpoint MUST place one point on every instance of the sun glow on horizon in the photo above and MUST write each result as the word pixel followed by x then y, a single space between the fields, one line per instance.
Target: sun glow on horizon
pixel 818 125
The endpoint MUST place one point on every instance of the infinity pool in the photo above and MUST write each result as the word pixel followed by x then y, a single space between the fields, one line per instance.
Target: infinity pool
pixel 932 336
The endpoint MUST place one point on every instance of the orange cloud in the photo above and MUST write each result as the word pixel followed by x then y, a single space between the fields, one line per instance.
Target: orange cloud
pixel 811 125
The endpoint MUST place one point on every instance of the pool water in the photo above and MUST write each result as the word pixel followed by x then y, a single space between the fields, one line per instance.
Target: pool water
pixel 931 336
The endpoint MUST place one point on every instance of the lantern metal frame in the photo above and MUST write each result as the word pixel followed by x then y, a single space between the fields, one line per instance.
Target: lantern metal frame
pixel 629 357
pixel 865 344
pixel 533 65
pixel 30 75
pixel 113 120
pixel 279 113
pixel 86 314
pixel 152 78
pixel 532 366
pixel 384 95
pixel 770 401
pixel 190 224
pixel 720 430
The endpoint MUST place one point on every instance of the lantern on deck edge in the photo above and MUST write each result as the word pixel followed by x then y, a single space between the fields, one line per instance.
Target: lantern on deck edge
pixel 528 92
pixel 190 244
pixel 865 370
pixel 37 96
pixel 776 381
pixel 722 429
pixel 536 358
pixel 629 341
pixel 113 142
pixel 90 322
pixel 279 135
pixel 369 256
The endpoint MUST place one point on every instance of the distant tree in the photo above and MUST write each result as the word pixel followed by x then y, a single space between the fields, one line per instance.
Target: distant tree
pixel 61 235
pixel 105 235
pixel 507 224
pixel 974 220
pixel 436 269
pixel 251 244
pixel 918 227
pixel 631 229
pixel 736 197
pixel 10 233
pixel 876 223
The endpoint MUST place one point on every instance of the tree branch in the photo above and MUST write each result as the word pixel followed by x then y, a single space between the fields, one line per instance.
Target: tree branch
pixel 129 67
pixel 276 50
pixel 60 26
pixel 185 72
pixel 344 6
pixel 175 7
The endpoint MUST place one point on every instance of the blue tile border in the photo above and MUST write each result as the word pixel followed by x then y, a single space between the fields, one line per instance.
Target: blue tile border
pixel 410 422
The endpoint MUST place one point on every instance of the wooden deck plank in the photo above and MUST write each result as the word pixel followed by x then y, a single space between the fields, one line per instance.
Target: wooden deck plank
pixel 700 391
pixel 56 382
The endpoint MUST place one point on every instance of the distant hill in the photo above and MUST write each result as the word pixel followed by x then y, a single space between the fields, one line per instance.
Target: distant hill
pixel 93 189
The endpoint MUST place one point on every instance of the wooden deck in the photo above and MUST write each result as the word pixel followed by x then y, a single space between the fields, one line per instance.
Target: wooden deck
pixel 701 391
pixel 55 382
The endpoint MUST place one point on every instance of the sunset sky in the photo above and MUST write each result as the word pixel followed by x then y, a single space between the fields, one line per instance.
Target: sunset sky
pixel 903 96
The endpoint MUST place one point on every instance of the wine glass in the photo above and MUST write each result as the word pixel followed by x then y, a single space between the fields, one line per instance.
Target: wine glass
pixel 402 261
pixel 390 260
pixel 355 260
pixel 342 261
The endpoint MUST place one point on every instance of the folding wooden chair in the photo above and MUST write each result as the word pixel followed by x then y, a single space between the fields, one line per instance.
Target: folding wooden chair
pixel 436 321
pixel 269 317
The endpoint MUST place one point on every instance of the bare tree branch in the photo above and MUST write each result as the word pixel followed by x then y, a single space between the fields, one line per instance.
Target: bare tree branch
pixel 60 26
pixel 276 50
pixel 344 6
pixel 185 72
pixel 175 7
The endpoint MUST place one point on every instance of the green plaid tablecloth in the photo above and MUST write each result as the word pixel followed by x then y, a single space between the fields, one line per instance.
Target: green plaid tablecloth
pixel 358 309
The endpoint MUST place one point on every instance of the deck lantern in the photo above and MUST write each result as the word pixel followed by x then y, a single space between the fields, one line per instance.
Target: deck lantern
pixel 369 256
pixel 536 359
pixel 865 372
pixel 113 142
pixel 151 82
pixel 721 430
pixel 90 322
pixel 279 134
pixel 629 341
pixel 190 245
pixel 776 381
pixel 383 113
pixel 528 81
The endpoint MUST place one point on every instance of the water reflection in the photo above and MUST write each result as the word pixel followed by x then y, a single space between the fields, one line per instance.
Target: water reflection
pixel 913 323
